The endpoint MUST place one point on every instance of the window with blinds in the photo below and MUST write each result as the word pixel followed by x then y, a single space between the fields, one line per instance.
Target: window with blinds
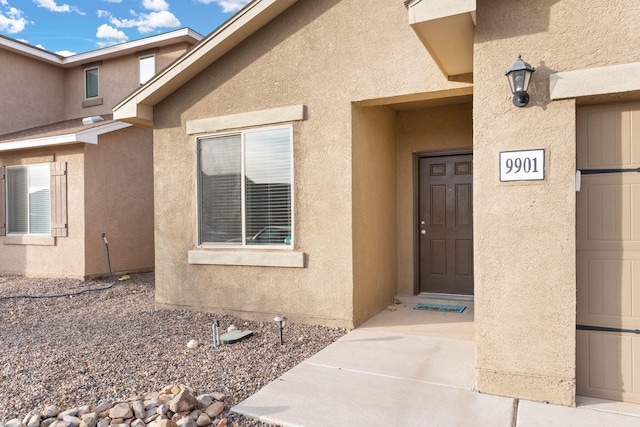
pixel 91 83
pixel 29 199
pixel 244 188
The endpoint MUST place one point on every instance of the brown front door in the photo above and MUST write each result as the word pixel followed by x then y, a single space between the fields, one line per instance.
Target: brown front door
pixel 445 224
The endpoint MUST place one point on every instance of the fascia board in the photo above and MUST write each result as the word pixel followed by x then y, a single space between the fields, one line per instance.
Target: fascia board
pixel 90 136
pixel 30 51
pixel 185 34
pixel 246 22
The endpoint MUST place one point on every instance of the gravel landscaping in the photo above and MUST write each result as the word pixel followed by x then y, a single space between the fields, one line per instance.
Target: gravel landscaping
pixel 112 344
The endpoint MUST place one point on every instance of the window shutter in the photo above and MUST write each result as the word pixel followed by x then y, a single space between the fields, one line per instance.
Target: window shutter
pixel 59 199
pixel 3 200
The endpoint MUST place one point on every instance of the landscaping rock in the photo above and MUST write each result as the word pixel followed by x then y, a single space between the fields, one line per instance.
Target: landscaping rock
pixel 183 402
pixel 120 411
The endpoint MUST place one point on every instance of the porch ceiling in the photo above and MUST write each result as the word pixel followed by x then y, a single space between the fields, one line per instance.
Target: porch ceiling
pixel 446 28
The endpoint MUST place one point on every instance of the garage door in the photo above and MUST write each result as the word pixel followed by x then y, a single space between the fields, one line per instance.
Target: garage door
pixel 608 252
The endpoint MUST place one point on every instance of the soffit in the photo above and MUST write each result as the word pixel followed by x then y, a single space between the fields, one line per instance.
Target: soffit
pixel 446 28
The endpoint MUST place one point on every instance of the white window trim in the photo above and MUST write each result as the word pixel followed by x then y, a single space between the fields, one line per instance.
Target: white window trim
pixel 244 246
pixel 84 72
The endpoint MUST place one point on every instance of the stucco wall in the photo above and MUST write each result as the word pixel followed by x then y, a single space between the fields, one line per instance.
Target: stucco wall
pixel 374 210
pixel 117 77
pixel 422 130
pixel 59 256
pixel 325 55
pixel 29 89
pixel 119 202
pixel 525 232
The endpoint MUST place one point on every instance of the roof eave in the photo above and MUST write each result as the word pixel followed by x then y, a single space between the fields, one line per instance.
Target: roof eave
pixel 186 35
pixel 89 136
pixel 137 108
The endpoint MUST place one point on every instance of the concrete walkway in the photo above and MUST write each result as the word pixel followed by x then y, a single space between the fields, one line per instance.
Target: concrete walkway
pixel 410 368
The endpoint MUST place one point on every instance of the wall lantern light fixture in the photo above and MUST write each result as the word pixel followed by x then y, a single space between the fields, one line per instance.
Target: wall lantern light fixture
pixel 519 75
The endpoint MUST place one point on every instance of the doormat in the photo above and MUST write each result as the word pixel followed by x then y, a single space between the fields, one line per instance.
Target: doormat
pixel 441 308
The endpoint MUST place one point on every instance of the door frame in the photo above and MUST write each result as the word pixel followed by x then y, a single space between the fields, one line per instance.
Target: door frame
pixel 416 213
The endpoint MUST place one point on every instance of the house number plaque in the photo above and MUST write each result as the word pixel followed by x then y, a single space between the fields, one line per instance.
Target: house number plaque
pixel 524 165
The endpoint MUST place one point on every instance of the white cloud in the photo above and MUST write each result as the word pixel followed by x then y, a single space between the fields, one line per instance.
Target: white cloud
pixel 147 23
pixel 53 7
pixel 113 1
pixel 155 5
pixel 11 19
pixel 65 53
pixel 103 13
pixel 112 35
pixel 227 6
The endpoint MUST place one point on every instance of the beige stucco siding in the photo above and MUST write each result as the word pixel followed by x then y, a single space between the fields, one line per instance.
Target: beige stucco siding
pixel 119 202
pixel 29 89
pixel 374 210
pixel 109 189
pixel 323 55
pixel 117 77
pixel 525 232
pixel 50 256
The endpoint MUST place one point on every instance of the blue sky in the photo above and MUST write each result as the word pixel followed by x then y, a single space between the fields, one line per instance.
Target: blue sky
pixel 76 26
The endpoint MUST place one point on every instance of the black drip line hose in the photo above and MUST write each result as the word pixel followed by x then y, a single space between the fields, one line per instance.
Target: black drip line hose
pixel 71 294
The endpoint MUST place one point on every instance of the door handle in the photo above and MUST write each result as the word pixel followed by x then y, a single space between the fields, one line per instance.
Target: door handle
pixel 423 232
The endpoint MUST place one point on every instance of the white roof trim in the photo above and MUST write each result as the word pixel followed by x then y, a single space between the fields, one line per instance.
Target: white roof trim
pixel 108 52
pixel 89 136
pixel 32 51
pixel 248 20
pixel 120 49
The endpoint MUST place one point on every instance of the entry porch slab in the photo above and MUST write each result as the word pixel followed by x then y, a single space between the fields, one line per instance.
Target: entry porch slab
pixel 402 367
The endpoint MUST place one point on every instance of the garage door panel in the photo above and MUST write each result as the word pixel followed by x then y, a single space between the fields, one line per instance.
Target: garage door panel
pixel 634 137
pixel 608 252
pixel 612 366
pixel 635 212
pixel 608 216
pixel 606 294
pixel 610 138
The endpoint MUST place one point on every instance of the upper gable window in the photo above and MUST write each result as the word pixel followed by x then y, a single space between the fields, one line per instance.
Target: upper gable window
pixel 91 83
pixel 244 188
pixel 147 66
